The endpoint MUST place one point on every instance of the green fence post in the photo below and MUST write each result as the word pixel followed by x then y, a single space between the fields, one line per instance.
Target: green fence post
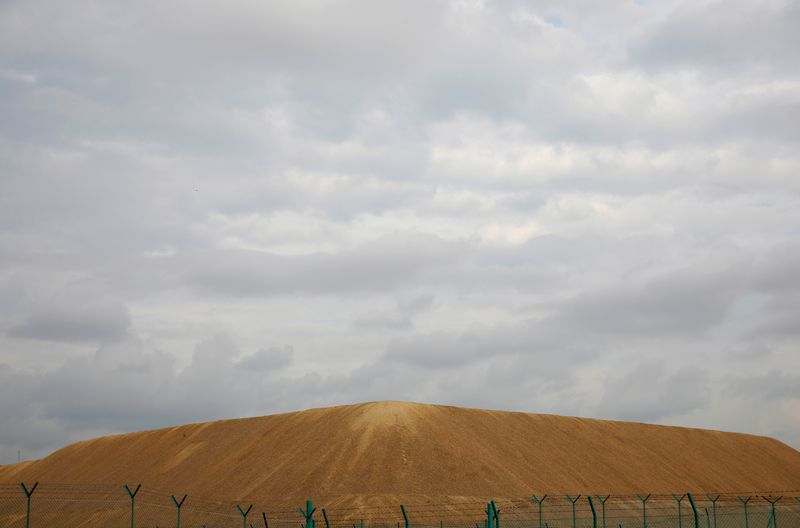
pixel 573 501
pixel 603 506
pixel 714 507
pixel 489 515
pixel 28 494
pixel 178 506
pixel 308 514
pixel 773 515
pixel 244 513
pixel 594 513
pixel 405 516
pixel 744 503
pixel 496 515
pixel 132 495
pixel 539 502
pixel 325 516
pixel 708 518
pixel 679 500
pixel 694 509
pixel 644 508
pixel 264 515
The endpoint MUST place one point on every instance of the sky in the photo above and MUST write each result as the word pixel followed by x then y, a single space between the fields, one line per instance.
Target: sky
pixel 223 209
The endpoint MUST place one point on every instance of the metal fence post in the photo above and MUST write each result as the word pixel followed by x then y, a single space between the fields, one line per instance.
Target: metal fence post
pixel 744 503
pixel 603 506
pixel 496 515
pixel 594 513
pixel 244 513
pixel 694 509
pixel 132 495
pixel 178 506
pixel 644 508
pixel 28 494
pixel 308 514
pixel 773 515
pixel 489 515
pixel 264 515
pixel 679 501
pixel 574 516
pixel 325 516
pixel 714 507
pixel 539 502
pixel 405 516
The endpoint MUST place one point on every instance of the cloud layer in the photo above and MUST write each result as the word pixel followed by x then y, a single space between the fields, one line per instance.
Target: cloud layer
pixel 212 211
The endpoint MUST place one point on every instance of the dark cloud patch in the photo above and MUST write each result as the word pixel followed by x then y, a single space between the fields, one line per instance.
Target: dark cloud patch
pixel 382 265
pixel 267 359
pixel 708 36
pixel 442 350
pixel 653 391
pixel 83 323
pixel 552 347
pixel 683 303
pixel 772 385
pixel 402 318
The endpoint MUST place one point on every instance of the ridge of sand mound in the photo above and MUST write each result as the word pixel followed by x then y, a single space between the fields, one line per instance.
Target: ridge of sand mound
pixel 403 449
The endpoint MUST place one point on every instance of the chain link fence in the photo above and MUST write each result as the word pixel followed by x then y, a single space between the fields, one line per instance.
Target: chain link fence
pixel 79 506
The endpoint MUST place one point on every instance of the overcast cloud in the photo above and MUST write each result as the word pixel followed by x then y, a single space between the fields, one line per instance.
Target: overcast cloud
pixel 222 209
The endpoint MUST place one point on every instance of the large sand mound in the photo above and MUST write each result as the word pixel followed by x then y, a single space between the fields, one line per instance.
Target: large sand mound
pixel 393 449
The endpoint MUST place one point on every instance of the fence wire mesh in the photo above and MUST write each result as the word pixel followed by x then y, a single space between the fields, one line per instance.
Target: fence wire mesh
pixel 83 506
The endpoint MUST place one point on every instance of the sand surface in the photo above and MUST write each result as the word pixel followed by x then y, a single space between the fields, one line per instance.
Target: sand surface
pixel 377 452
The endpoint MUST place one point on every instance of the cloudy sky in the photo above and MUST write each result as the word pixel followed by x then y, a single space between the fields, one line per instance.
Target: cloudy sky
pixel 223 209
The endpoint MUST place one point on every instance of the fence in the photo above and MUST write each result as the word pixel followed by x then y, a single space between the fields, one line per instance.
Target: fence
pixel 29 505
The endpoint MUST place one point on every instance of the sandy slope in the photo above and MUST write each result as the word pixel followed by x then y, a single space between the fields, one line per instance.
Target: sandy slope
pixel 401 449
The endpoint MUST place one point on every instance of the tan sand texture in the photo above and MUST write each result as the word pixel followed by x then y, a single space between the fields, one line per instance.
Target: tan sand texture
pixel 373 453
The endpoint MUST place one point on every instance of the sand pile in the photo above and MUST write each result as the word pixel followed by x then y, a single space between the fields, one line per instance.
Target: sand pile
pixel 393 449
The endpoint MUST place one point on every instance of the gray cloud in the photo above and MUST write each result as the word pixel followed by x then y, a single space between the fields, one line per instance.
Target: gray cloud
pixel 707 35
pixel 381 265
pixel 682 303
pixel 216 211
pixel 653 391
pixel 81 323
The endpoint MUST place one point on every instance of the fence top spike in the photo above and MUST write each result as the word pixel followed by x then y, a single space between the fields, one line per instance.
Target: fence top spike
pixel 27 491
pixel 538 500
pixel 133 493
